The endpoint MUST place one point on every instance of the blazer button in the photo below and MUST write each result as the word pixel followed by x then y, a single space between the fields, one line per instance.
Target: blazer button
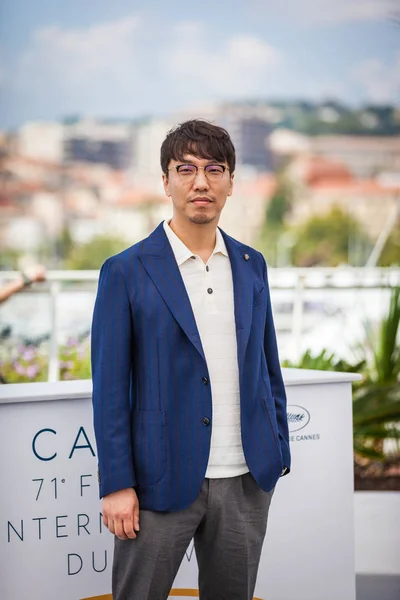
pixel 204 380
pixel 206 421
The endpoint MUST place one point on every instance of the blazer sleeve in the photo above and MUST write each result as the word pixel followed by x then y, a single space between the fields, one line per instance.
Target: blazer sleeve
pixel 111 348
pixel 275 376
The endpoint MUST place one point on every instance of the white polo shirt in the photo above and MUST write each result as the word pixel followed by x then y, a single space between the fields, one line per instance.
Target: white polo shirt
pixel 210 290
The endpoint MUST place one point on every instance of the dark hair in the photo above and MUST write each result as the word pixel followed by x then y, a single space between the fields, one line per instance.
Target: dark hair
pixel 201 139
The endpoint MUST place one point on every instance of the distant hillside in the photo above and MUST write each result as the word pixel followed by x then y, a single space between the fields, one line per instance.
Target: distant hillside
pixel 331 117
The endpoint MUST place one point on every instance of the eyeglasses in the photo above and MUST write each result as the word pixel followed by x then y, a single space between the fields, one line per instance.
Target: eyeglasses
pixel 189 172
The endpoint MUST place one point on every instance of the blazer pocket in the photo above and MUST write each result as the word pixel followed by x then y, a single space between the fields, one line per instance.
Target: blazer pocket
pixel 259 297
pixel 149 446
pixel 271 412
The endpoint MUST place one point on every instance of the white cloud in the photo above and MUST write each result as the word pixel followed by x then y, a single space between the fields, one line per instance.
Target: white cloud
pixel 327 12
pixel 346 11
pixel 76 67
pixel 380 82
pixel 136 65
pixel 237 67
pixel 116 68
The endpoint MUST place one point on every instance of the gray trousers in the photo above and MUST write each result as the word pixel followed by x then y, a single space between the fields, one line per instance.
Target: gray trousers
pixel 228 521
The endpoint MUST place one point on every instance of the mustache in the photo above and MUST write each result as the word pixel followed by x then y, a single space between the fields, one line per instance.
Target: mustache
pixel 201 198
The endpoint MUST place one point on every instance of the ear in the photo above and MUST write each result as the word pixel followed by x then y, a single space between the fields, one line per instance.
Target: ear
pixel 231 185
pixel 165 181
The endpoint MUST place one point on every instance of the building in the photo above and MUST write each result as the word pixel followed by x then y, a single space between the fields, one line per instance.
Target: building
pixel 365 156
pixel 320 184
pixel 244 212
pixel 135 214
pixel 100 143
pixel 41 141
pixel 146 168
pixel 248 124
pixel 285 143
pixel 249 127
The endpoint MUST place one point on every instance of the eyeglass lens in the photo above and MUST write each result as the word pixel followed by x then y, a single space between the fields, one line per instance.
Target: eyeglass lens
pixel 210 171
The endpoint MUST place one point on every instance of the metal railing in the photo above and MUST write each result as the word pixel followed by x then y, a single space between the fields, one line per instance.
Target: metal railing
pixel 299 280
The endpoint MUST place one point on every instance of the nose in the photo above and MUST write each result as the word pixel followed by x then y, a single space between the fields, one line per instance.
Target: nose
pixel 200 181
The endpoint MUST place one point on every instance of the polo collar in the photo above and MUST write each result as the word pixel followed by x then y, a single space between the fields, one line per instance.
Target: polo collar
pixel 182 252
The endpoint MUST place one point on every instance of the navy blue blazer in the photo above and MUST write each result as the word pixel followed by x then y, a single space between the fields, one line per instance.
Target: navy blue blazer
pixel 151 386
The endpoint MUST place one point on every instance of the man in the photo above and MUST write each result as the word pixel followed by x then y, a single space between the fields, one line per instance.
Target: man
pixel 189 403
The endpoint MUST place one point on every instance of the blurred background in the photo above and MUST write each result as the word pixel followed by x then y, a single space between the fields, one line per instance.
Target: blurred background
pixel 310 93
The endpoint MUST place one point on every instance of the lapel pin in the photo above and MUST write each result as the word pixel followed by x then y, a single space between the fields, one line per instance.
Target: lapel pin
pixel 246 257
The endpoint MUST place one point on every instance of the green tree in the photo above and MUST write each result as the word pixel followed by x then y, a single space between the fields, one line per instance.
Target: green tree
pixel 274 222
pixel 92 254
pixel 328 240
pixel 391 252
pixel 279 205
pixel 65 243
pixel 9 259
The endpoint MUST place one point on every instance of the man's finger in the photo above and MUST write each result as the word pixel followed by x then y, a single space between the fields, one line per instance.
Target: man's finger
pixel 119 530
pixel 136 518
pixel 128 528
pixel 105 521
pixel 110 526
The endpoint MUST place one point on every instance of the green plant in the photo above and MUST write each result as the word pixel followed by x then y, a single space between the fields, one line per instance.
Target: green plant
pixel 376 399
pixel 75 359
pixel 391 251
pixel 24 364
pixel 27 363
pixel 92 254
pixel 376 404
pixel 325 361
pixel 376 417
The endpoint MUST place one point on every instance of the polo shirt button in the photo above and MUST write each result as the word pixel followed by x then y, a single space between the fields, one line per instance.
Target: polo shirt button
pixel 204 380
pixel 210 290
pixel 206 421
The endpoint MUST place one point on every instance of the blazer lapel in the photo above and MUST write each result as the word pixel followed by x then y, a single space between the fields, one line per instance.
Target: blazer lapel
pixel 159 261
pixel 242 275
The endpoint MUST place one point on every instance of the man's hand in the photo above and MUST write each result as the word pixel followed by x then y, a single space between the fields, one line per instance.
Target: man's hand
pixel 36 273
pixel 121 513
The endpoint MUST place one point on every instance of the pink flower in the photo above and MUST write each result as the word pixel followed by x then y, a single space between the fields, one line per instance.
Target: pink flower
pixel 29 354
pixel 32 371
pixel 67 364
pixel 20 369
pixel 82 352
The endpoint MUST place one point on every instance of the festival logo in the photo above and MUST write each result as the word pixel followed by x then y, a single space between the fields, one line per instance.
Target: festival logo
pixel 298 417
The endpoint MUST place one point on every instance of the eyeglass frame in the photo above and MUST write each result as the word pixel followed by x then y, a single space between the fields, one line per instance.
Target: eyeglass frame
pixel 197 167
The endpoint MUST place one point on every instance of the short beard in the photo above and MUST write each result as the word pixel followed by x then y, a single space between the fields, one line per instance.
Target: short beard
pixel 201 219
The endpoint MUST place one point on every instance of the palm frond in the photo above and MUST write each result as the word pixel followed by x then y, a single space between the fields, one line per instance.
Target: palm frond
pixel 387 351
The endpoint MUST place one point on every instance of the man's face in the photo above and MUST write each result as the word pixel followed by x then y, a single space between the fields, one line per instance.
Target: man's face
pixel 199 199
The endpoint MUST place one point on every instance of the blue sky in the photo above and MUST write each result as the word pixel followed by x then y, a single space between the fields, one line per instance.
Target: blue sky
pixel 128 59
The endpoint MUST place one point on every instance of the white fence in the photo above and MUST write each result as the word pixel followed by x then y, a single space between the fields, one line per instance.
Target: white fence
pixel 348 289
